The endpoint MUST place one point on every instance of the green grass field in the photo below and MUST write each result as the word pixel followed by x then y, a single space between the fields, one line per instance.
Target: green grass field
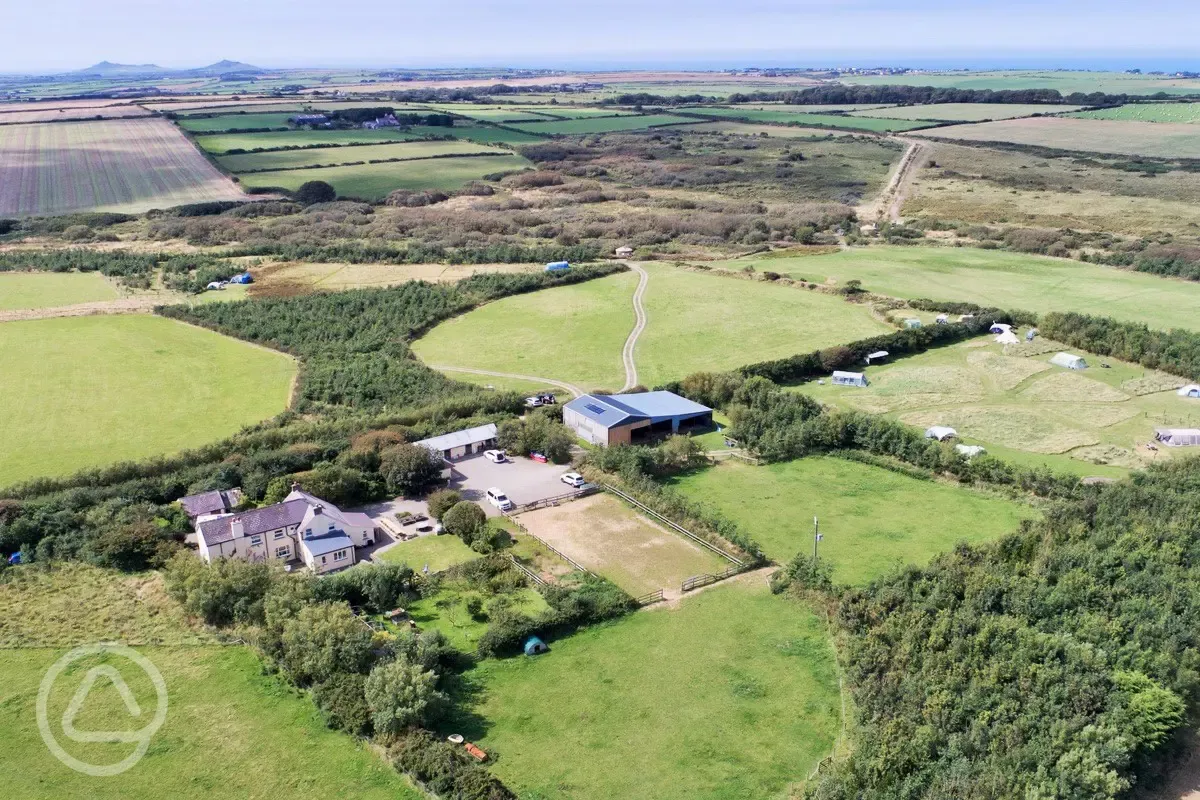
pixel 966 112
pixel 1004 279
pixel 872 519
pixel 1120 137
pixel 89 391
pixel 760 129
pixel 572 333
pixel 375 181
pixel 219 143
pixel 709 322
pixel 232 122
pixel 447 612
pixel 1066 81
pixel 778 117
pixel 575 112
pixel 732 695
pixel 49 289
pixel 1011 403
pixel 230 732
pixel 483 134
pixel 497 113
pixel 696 322
pixel 332 156
pixel 570 127
pixel 436 552
pixel 1147 112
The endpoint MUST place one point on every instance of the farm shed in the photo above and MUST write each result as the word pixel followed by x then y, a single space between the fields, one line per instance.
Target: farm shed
pixel 624 252
pixel 940 432
pixel 841 378
pixel 1191 390
pixel 969 450
pixel 460 444
pixel 1178 437
pixel 535 646
pixel 558 266
pixel 877 356
pixel 626 418
pixel 1069 361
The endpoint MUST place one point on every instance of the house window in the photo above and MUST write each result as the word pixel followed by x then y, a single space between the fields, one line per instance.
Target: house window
pixel 255 541
pixel 340 555
pixel 308 531
pixel 282 552
pixel 322 559
pixel 278 534
pixel 331 526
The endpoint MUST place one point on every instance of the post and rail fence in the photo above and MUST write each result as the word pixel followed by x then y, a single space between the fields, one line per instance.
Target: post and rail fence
pixel 657 517
pixel 697 581
pixel 650 598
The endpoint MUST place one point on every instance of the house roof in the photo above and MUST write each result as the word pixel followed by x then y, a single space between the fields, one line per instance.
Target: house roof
pixel 618 409
pixel 334 540
pixel 260 520
pixel 214 502
pixel 449 441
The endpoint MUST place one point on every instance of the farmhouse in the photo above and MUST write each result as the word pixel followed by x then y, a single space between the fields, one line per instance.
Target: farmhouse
pixel 1178 437
pixel 841 378
pixel 1191 390
pixel 386 121
pixel 941 433
pixel 460 444
pixel 302 528
pixel 1069 361
pixel 626 418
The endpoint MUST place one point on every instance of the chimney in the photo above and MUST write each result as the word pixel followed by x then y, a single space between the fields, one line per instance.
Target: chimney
pixel 317 509
pixel 295 486
pixel 235 527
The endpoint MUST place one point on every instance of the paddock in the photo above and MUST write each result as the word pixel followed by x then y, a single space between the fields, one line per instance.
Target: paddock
pixel 603 535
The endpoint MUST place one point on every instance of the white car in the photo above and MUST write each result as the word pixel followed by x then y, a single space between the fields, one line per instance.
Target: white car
pixel 533 402
pixel 495 456
pixel 572 479
pixel 499 499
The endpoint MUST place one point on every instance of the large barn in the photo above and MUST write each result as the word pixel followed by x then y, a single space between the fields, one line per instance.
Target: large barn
pixel 628 418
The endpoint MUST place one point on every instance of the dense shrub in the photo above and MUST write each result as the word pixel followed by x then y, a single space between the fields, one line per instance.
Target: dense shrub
pixel 537 433
pixel 225 592
pixel 402 695
pixel 323 641
pixel 444 769
pixel 311 192
pixel 343 703
pixel 441 501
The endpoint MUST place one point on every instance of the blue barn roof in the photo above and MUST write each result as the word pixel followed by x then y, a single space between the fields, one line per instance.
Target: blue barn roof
pixel 618 409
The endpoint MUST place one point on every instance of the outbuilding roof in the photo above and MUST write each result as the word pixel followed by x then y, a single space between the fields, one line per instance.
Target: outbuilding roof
pixel 214 502
pixel 334 540
pixel 449 441
pixel 616 409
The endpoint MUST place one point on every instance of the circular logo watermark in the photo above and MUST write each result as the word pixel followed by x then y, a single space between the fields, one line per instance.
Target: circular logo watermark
pixel 141 737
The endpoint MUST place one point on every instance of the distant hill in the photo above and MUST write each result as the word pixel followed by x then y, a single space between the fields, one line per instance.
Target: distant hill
pixel 107 69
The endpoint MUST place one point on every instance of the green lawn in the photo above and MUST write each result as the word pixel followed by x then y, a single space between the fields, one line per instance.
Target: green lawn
pixel 293 159
pixel 570 333
pixel 711 322
pixel 599 124
pixel 732 695
pixel 780 117
pixel 376 181
pixel 88 391
pixel 871 518
pixel 1004 279
pixel 230 732
pixel 224 142
pixel 484 134
pixel 1093 422
pixel 235 122
pixel 436 552
pixel 49 289
pixel 695 322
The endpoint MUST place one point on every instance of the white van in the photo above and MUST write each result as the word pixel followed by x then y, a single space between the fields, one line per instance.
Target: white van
pixel 499 499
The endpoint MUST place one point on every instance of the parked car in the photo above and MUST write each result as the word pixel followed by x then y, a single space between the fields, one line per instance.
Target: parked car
pixel 539 400
pixel 533 402
pixel 495 456
pixel 499 499
pixel 573 479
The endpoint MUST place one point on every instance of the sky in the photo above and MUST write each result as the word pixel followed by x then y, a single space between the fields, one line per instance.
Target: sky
pixel 56 35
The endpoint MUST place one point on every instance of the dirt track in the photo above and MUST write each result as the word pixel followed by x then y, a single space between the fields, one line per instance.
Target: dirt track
pixel 887 206
pixel 631 374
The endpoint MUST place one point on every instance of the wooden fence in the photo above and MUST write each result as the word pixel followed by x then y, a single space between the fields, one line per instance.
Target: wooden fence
pixel 552 548
pixel 526 571
pixel 650 512
pixel 650 599
pixel 547 502
pixel 696 581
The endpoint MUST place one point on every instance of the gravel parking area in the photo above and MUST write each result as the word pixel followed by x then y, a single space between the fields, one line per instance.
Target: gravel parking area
pixel 523 480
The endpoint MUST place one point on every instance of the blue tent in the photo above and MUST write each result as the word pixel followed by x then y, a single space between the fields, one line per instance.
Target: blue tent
pixel 243 277
pixel 558 266
pixel 14 559
pixel 535 646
